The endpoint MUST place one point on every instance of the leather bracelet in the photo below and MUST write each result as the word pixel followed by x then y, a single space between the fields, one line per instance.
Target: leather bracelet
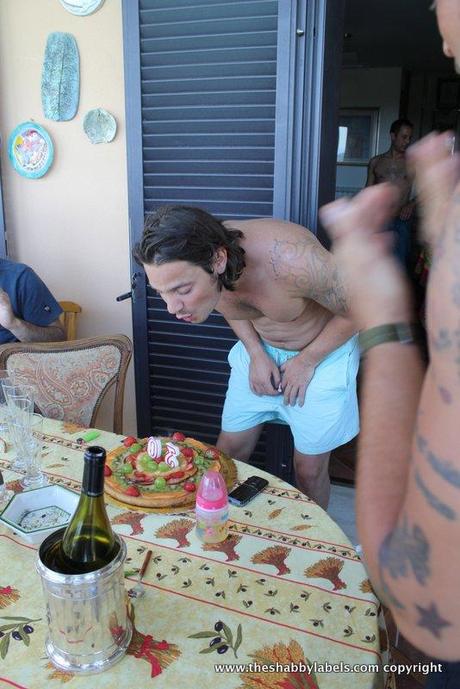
pixel 406 333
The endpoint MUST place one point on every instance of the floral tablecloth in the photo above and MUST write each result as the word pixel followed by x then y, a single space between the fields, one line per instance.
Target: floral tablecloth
pixel 286 588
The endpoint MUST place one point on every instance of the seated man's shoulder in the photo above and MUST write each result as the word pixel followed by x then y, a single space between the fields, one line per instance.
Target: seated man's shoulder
pixel 14 269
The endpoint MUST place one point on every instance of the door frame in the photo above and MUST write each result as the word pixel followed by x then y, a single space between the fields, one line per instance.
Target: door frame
pixel 307 128
pixel 134 157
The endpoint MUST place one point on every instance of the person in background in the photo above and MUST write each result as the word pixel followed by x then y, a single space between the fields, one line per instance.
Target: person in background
pixel 392 167
pixel 296 360
pixel 28 310
pixel 408 483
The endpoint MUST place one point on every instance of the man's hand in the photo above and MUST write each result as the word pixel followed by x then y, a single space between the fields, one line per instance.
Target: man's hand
pixel 264 375
pixel 377 289
pixel 437 172
pixel 296 374
pixel 7 317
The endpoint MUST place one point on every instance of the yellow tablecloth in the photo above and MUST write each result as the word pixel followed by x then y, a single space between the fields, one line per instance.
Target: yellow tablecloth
pixel 287 586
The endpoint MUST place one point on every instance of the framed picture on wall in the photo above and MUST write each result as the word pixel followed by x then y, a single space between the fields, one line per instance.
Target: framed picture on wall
pixel 357 135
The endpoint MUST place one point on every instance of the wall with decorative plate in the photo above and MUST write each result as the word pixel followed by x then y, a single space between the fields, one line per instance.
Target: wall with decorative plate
pixel 72 223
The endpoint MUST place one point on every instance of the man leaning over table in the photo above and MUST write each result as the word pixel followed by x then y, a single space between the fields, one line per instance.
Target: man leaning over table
pixel 408 484
pixel 278 288
pixel 28 310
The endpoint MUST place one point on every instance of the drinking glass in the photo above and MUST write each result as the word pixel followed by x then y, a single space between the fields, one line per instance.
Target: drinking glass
pixel 33 446
pixel 19 414
pixel 13 387
pixel 7 379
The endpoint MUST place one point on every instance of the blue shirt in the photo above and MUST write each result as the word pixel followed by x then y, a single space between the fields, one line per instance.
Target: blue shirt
pixel 30 298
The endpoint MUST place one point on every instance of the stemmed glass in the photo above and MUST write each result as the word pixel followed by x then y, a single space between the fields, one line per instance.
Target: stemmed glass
pixel 19 430
pixel 34 476
pixel 6 379
pixel 20 406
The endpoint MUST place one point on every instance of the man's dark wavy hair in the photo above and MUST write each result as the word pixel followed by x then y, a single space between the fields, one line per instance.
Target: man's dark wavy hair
pixel 185 233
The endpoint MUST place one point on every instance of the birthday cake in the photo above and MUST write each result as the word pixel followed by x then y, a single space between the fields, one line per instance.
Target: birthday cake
pixel 162 472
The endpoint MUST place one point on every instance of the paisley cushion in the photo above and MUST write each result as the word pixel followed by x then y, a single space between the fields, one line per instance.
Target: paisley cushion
pixel 69 384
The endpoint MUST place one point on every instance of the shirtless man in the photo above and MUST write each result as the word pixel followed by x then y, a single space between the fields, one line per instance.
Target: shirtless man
pixel 391 167
pixel 278 288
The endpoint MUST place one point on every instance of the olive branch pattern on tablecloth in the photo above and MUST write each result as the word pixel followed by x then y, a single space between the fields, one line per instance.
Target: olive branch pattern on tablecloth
pixel 221 639
pixel 16 628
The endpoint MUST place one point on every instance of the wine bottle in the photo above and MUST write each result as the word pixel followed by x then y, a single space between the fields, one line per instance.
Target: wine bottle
pixel 88 542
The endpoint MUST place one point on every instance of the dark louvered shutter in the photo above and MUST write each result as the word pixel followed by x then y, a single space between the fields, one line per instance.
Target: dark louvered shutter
pixel 208 81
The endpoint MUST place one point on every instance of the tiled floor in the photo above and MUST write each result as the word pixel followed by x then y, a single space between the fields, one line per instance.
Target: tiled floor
pixel 342 511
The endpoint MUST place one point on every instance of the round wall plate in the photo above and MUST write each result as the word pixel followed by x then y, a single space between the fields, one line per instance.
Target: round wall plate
pixel 81 7
pixel 100 126
pixel 30 150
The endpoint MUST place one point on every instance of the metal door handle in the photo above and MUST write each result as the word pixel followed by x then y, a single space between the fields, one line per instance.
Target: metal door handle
pixel 132 293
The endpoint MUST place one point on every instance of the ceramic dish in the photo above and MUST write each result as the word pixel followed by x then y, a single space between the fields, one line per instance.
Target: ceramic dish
pixel 81 7
pixel 35 514
pixel 31 150
pixel 100 126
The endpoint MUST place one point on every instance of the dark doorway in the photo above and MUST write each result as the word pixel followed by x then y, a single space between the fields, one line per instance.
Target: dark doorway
pixel 392 66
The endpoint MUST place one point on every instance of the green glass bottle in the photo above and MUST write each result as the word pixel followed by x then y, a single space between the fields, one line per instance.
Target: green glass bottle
pixel 88 542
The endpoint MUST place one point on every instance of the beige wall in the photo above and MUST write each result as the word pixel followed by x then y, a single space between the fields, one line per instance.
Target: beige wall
pixel 71 225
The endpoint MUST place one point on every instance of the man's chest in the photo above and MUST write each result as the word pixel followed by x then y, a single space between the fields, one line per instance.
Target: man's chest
pixel 242 307
pixel 391 171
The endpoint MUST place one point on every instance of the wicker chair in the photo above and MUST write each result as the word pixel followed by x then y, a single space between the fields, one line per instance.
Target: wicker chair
pixel 72 378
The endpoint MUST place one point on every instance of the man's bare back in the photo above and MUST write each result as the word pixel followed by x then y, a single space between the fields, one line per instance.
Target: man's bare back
pixel 283 291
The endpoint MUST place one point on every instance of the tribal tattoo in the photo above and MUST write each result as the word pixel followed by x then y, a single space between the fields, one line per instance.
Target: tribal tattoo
pixel 442 467
pixel 437 504
pixel 447 341
pixel 442 340
pixel 307 266
pixel 445 394
pixel 405 550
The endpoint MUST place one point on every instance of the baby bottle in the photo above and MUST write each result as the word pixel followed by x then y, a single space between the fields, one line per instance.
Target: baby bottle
pixel 212 508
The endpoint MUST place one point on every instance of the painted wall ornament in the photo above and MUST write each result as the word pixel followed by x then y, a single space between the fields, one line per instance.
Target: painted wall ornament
pixel 100 126
pixel 60 77
pixel 30 150
pixel 82 7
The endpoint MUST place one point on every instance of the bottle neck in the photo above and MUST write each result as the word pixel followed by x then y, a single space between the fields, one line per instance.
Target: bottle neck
pixel 93 471
pixel 93 479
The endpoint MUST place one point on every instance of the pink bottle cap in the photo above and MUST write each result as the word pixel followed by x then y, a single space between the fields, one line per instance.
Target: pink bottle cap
pixel 212 491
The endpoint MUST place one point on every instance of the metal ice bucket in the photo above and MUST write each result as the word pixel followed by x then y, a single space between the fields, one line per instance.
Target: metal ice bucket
pixel 88 626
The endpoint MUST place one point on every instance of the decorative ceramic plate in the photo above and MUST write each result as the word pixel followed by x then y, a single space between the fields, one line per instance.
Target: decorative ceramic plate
pixel 100 126
pixel 31 150
pixel 81 7
pixel 36 513
pixel 60 77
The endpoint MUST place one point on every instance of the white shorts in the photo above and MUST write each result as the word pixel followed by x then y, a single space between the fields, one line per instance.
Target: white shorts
pixel 329 417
